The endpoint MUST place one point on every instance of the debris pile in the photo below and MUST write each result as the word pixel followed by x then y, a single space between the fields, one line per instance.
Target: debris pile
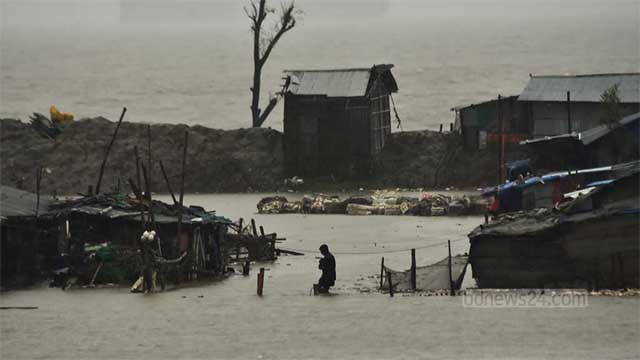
pixel 379 203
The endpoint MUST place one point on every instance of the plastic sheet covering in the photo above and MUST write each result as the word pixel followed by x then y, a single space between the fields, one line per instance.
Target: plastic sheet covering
pixel 430 277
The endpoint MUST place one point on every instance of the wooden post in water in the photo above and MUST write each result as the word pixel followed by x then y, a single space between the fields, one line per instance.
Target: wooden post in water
pixel 451 291
pixel 106 155
pixel 260 281
pixel 381 272
pixel 390 284
pixel 440 127
pixel 413 269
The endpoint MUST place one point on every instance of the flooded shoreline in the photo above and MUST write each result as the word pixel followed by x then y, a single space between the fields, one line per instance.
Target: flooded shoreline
pixel 227 320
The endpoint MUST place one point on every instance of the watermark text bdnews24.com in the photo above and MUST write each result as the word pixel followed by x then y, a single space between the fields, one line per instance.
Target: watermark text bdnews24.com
pixel 525 299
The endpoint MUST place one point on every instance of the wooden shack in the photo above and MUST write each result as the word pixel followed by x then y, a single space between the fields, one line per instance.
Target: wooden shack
pixel 337 121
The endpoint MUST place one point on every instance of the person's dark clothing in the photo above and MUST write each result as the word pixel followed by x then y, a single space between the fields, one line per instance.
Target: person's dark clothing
pixel 328 267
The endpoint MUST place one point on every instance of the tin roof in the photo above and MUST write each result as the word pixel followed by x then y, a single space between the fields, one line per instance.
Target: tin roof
pixel 352 82
pixel 588 136
pixel 584 88
pixel 593 134
pixel 502 98
pixel 15 202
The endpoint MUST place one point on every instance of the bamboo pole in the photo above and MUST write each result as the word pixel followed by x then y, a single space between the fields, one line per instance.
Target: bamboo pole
pixel 106 155
pixel 166 179
pixel 95 274
pixel 149 167
pixel 138 177
pixel 143 221
pixel 184 161
pixel 148 191
pixel 390 284
pixel 253 228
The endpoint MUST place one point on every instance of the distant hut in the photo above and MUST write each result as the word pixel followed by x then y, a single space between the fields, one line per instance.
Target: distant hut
pixel 598 146
pixel 337 121
pixel 481 124
pixel 564 104
pixel 25 236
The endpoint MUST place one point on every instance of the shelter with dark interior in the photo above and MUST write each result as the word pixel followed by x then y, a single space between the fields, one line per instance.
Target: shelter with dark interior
pixel 599 146
pixel 482 124
pixel 561 104
pixel 337 121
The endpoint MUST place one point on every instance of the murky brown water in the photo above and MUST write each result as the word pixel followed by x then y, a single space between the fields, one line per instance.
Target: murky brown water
pixel 226 319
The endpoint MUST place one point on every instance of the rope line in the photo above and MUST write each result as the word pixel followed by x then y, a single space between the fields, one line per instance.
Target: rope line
pixel 307 251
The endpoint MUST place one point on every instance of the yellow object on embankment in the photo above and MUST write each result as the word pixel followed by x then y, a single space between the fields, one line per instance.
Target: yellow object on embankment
pixel 58 117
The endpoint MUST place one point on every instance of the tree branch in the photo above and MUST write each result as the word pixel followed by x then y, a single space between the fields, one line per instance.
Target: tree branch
pixel 262 47
pixel 287 22
pixel 263 116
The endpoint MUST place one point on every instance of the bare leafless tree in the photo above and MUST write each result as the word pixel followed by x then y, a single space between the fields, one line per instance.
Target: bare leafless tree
pixel 263 43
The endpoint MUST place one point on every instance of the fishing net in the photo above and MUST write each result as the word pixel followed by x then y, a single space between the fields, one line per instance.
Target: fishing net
pixel 430 277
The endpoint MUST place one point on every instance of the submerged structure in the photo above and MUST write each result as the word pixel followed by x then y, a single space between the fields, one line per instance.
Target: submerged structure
pixel 336 121
pixel 591 241
pixel 97 239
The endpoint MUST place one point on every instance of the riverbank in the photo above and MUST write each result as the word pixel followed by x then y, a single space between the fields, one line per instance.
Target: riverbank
pixel 218 161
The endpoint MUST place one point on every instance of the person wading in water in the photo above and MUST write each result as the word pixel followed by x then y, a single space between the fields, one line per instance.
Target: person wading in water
pixel 328 267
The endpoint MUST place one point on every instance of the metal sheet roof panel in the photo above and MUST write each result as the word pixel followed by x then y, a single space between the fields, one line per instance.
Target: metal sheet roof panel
pixel 332 83
pixel 583 88
pixel 15 202
pixel 593 134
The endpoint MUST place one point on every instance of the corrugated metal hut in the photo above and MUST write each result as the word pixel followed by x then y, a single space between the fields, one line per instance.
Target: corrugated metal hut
pixel 599 146
pixel 336 121
pixel 564 104
pixel 481 124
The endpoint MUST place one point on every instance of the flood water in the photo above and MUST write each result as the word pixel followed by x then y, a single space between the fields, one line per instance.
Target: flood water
pixel 227 320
